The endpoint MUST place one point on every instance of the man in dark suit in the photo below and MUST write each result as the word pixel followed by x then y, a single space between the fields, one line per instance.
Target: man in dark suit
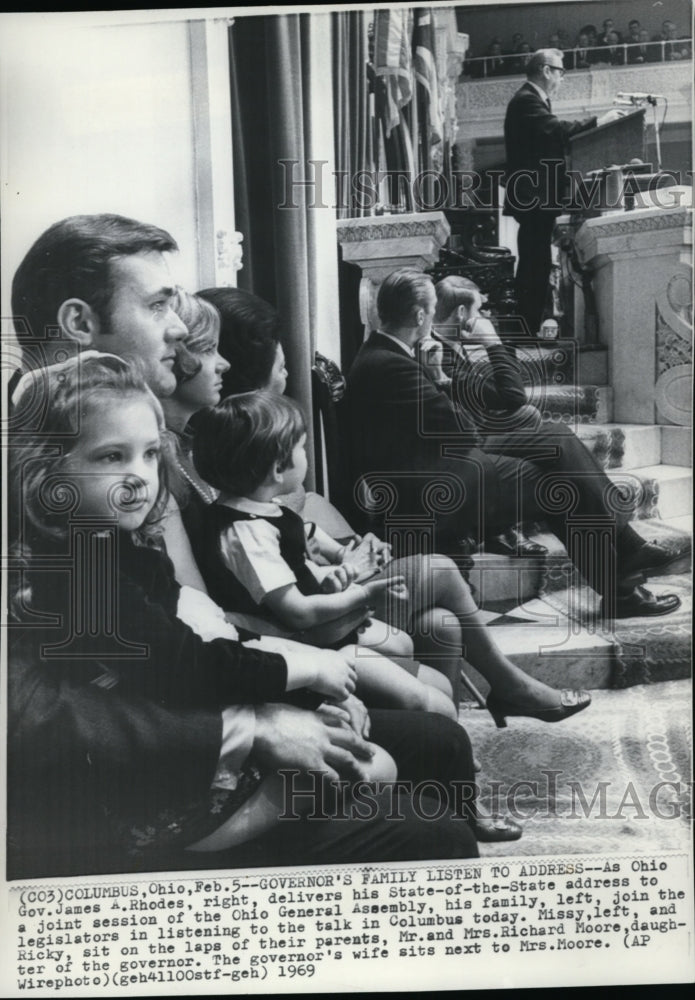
pixel 535 142
pixel 103 282
pixel 417 447
pixel 644 51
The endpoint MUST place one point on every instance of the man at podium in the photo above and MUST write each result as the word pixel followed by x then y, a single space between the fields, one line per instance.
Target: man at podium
pixel 535 142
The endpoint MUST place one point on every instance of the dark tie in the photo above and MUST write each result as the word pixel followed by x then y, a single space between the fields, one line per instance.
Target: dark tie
pixel 549 105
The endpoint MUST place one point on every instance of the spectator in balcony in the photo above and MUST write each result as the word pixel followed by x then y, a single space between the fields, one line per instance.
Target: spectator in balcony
pixel 675 46
pixel 633 31
pixel 495 63
pixel 608 27
pixel 591 33
pixel 645 51
pixel 564 38
pixel 614 52
pixel 522 58
pixel 668 48
pixel 582 55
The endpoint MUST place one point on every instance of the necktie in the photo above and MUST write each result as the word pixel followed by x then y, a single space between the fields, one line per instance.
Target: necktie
pixel 549 105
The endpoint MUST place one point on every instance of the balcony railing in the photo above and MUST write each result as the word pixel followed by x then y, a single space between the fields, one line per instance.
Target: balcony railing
pixel 623 54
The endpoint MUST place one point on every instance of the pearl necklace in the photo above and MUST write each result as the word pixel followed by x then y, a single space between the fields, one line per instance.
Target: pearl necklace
pixel 208 493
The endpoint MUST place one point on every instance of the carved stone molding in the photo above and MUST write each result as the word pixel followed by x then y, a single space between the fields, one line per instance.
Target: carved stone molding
pixel 395 227
pixel 381 244
pixel 642 271
pixel 674 349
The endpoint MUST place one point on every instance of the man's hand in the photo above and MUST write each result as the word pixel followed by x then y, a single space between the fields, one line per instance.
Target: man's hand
pixel 289 737
pixel 357 714
pixel 480 330
pixel 431 357
pixel 612 115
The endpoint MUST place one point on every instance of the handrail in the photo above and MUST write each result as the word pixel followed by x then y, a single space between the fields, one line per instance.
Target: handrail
pixel 512 63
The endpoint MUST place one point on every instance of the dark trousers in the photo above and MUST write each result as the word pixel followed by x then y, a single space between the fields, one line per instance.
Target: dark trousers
pixel 395 827
pixel 548 474
pixel 533 266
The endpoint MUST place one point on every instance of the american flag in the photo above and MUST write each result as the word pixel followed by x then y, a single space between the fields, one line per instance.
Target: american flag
pixel 392 60
pixel 425 69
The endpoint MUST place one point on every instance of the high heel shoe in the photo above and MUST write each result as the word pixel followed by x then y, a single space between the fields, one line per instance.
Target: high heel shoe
pixel 571 702
pixel 495 829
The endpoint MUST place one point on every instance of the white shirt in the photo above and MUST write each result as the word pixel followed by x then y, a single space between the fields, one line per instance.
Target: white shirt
pixel 406 347
pixel 546 99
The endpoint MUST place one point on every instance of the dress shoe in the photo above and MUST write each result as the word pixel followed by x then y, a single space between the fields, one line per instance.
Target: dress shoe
pixel 652 559
pixel 641 603
pixel 513 542
pixel 495 829
pixel 571 702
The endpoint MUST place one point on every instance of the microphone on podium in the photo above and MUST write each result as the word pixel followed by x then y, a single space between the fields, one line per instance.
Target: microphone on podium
pixel 632 98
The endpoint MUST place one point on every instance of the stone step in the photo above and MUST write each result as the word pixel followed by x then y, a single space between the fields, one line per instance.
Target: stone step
pixel 682 524
pixel 586 404
pixel 676 445
pixel 502 581
pixel 564 644
pixel 662 491
pixel 622 446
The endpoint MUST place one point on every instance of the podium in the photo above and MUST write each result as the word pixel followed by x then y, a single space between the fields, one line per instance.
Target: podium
pixel 602 179
pixel 616 142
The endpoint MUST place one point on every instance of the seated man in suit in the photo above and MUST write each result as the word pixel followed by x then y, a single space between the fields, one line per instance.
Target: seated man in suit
pixel 613 53
pixel 405 430
pixel 583 56
pixel 643 52
pixel 487 383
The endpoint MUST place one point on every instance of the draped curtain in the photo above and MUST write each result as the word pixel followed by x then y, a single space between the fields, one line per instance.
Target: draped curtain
pixel 271 85
pixel 353 111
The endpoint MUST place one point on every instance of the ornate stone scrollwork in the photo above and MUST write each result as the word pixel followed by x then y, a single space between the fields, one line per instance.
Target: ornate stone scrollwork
pixel 674 351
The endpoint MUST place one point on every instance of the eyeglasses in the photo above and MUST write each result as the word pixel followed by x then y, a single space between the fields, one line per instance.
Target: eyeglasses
pixel 558 69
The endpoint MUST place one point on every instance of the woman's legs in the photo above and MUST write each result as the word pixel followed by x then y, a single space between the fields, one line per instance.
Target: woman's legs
pixel 452 627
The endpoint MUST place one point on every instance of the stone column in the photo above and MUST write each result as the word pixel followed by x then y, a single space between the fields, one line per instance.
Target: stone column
pixel 642 277
pixel 380 244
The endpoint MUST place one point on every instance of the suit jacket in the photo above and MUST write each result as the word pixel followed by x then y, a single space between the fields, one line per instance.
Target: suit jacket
pixel 536 142
pixel 397 423
pixel 489 382
pixel 643 53
pixel 582 58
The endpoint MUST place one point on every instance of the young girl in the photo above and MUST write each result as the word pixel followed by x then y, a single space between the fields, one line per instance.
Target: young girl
pixel 89 484
pixel 251 448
